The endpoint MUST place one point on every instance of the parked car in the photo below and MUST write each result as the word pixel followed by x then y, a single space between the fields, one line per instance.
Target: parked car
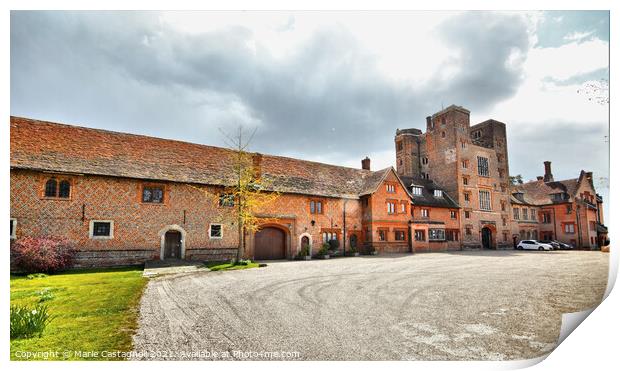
pixel 533 245
pixel 554 244
pixel 564 246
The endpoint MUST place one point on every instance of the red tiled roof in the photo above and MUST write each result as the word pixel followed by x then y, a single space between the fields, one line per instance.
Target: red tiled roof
pixel 42 145
pixel 540 193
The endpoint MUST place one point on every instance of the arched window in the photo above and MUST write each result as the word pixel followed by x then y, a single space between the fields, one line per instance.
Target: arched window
pixel 64 189
pixel 50 188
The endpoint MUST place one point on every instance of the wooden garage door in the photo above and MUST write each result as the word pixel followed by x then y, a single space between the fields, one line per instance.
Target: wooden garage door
pixel 269 244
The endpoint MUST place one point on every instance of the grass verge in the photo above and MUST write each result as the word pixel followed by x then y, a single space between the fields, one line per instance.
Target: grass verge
pixel 93 311
pixel 228 266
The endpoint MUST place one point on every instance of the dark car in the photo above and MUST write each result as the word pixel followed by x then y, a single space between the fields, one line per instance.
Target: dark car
pixel 554 244
pixel 564 246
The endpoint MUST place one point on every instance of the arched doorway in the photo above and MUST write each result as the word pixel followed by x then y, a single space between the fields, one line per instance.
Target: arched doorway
pixel 270 244
pixel 487 235
pixel 353 241
pixel 172 239
pixel 172 245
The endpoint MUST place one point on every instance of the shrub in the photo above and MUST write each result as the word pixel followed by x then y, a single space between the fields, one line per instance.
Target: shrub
pixel 42 254
pixel 36 275
pixel 324 249
pixel 334 245
pixel 26 322
pixel 45 295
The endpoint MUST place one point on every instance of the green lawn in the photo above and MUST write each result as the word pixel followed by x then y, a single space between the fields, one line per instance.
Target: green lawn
pixel 227 266
pixel 93 310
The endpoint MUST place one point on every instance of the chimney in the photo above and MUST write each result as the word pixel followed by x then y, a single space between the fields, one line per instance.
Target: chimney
pixel 366 163
pixel 428 123
pixel 539 177
pixel 257 159
pixel 548 176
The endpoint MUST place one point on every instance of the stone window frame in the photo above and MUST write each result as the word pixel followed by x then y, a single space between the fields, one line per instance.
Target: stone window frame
pixel 390 187
pixel 386 232
pixel 391 207
pixel 165 195
pixel 317 201
pixel 425 210
pixel 467 214
pixel 404 234
pixel 14 227
pixel 439 232
pixel 91 229
pixel 568 230
pixel 484 167
pixel 483 200
pixel 419 235
pixel 221 236
pixel 59 178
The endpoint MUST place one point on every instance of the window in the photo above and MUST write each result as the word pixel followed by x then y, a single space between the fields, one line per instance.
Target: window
pixel 227 200
pixel 417 191
pixel 483 166
pixel 533 214
pixel 424 160
pixel 436 235
pixel 467 196
pixel 419 235
pixel 443 121
pixel 485 200
pixel 399 235
pixel 391 207
pixel 465 180
pixel 56 189
pixel 569 208
pixel 503 203
pixel 452 214
pixel 569 228
pixel 330 236
pixel 399 146
pixel 316 207
pixel 467 214
pixel 546 218
pixel 101 229
pixel 382 234
pixel 215 231
pixel 424 213
pixel 153 194
pixel 476 134
pixel 524 213
pixel 403 207
pixel 391 188
pixel 463 144
pixel 515 213
pixel 443 134
pixel 438 193
pixel 452 235
pixel 13 228
pixel 468 231
pixel 464 164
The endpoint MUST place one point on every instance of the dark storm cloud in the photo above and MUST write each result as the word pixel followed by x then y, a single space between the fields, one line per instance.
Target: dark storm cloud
pixel 491 49
pixel 130 72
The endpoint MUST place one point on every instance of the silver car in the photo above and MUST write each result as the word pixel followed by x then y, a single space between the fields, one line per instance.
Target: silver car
pixel 533 245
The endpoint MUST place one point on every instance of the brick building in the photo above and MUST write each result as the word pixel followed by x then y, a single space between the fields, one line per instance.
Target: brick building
pixel 470 163
pixel 124 199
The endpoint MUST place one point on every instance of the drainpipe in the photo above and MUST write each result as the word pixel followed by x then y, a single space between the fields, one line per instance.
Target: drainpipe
pixel 579 228
pixel 555 226
pixel 344 228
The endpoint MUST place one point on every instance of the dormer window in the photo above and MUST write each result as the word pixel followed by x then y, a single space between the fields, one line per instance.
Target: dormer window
pixel 416 190
pixel 438 193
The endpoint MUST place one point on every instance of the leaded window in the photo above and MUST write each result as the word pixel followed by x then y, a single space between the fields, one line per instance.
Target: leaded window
pixel 153 194
pixel 483 166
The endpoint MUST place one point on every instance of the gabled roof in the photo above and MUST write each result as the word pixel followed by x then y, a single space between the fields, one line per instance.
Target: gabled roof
pixel 538 192
pixel 428 197
pixel 47 146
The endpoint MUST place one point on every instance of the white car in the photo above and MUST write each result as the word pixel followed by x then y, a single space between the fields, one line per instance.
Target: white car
pixel 533 245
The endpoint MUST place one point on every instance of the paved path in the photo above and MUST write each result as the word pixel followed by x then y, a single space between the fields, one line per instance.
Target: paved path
pixel 483 305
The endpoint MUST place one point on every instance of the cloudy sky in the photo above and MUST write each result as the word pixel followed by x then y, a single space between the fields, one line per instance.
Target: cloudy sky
pixel 330 87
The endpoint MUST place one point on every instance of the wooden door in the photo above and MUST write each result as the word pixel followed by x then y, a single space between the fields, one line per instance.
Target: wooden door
pixel 172 245
pixel 269 244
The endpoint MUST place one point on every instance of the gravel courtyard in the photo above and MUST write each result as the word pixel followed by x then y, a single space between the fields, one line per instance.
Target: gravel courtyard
pixel 480 305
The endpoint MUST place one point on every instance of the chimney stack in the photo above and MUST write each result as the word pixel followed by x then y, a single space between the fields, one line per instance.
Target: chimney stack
pixel 428 123
pixel 548 176
pixel 257 159
pixel 539 177
pixel 366 163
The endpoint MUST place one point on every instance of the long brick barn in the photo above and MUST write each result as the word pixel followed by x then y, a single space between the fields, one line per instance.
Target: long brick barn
pixel 126 199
